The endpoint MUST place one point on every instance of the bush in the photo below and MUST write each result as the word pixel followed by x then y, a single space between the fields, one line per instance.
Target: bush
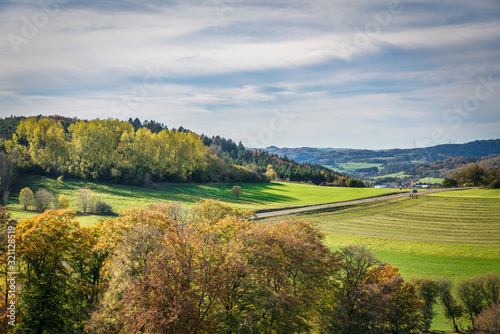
pixel 102 208
pixel 449 183
pixel 43 199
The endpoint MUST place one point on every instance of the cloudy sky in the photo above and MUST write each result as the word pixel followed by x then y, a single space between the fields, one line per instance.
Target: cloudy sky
pixel 324 73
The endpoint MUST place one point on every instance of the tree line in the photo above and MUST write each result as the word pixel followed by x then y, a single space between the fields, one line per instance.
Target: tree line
pixel 213 269
pixel 138 153
pixel 473 175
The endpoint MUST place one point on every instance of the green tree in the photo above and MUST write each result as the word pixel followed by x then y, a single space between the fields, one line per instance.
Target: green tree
pixel 26 198
pixel 470 293
pixel 236 191
pixel 452 310
pixel 428 292
pixel 449 183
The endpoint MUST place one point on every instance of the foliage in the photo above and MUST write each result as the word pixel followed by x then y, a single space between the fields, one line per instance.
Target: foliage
pixel 142 153
pixel 371 298
pixel 43 199
pixel 449 183
pixel 452 309
pixel 218 273
pixel 84 199
pixel 8 164
pixel 100 207
pixel 427 291
pixel 62 202
pixel 495 184
pixel 60 272
pixel 26 198
pixel 236 191
pixel 488 321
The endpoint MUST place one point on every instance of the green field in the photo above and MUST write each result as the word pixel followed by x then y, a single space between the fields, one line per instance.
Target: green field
pixel 255 195
pixel 431 180
pixel 452 235
pixel 398 174
pixel 352 166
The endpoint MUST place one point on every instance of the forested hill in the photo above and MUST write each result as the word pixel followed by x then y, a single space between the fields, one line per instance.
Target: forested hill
pixel 143 153
pixel 332 156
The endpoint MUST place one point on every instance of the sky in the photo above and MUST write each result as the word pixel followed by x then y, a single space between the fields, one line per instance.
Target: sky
pixel 322 73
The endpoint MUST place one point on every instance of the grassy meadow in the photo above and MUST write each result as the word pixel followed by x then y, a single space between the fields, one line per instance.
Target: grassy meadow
pixel 255 195
pixel 452 235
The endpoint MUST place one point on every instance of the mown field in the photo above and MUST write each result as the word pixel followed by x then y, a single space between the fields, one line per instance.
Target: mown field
pixel 255 195
pixel 452 235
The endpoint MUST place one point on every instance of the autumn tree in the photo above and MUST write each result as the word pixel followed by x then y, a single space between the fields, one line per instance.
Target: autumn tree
pixel 236 191
pixel 62 202
pixel 216 272
pixel 47 143
pixel 26 198
pixel 471 174
pixel 93 146
pixel 292 269
pixel 44 242
pixel 488 321
pixel 370 298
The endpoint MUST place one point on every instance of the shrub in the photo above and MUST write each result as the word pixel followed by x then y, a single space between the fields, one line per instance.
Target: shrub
pixel 236 191
pixel 43 199
pixel 26 198
pixel 102 208
pixel 449 183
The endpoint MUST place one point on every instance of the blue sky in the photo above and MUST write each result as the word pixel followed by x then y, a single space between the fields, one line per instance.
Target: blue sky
pixel 360 74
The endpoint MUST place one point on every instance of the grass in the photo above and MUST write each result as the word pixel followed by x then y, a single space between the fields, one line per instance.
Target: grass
pixel 352 166
pixel 255 195
pixel 431 180
pixel 398 174
pixel 453 235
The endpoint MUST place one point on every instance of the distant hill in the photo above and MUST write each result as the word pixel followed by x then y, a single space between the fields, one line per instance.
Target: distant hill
pixel 445 168
pixel 394 162
pixel 332 156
